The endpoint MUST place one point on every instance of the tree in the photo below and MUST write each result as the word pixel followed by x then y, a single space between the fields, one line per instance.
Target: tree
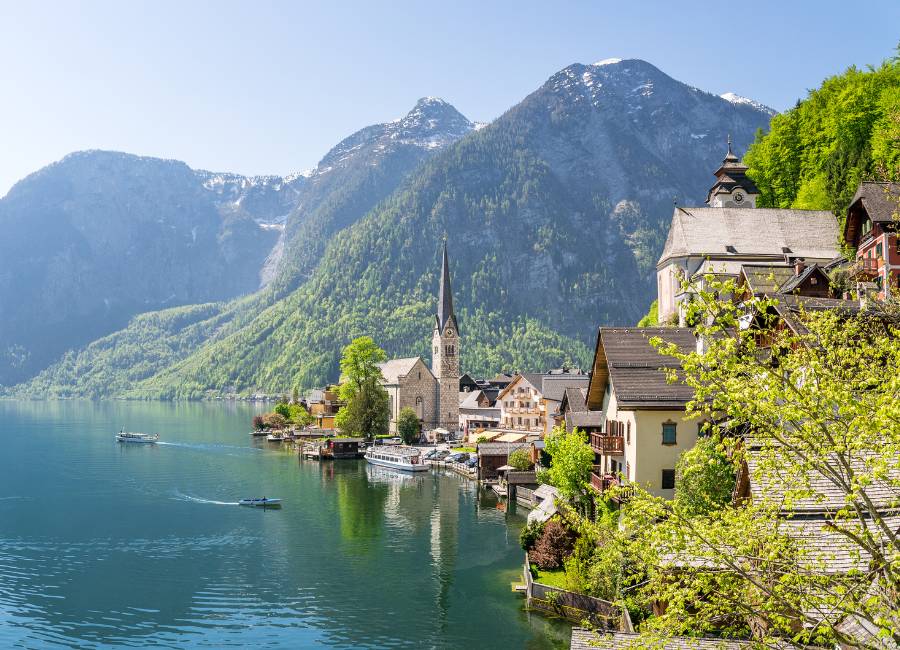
pixel 274 421
pixel 704 477
pixel 283 409
pixel 408 425
pixel 553 546
pixel 572 459
pixel 520 460
pixel 258 423
pixel 367 413
pixel 359 365
pixel 812 413
pixel 367 409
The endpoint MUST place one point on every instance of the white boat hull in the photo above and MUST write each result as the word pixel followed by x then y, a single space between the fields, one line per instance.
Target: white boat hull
pixel 138 440
pixel 401 466
pixel 259 503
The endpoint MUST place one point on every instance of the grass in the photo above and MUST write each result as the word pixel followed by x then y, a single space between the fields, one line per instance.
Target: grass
pixel 551 578
pixel 458 450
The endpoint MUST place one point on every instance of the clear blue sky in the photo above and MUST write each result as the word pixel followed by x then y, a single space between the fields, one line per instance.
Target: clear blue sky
pixel 268 87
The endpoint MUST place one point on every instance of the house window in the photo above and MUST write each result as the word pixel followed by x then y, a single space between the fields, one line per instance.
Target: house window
pixel 702 430
pixel 866 226
pixel 668 479
pixel 668 433
pixel 879 250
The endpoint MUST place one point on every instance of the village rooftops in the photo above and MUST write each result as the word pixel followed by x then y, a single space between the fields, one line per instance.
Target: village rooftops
pixel 500 448
pixel 751 233
pixel 625 358
pixel 765 279
pixel 880 202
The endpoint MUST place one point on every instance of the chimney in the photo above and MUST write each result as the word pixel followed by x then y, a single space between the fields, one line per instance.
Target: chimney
pixel 799 266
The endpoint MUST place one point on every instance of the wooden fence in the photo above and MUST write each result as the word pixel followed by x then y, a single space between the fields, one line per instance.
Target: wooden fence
pixel 602 614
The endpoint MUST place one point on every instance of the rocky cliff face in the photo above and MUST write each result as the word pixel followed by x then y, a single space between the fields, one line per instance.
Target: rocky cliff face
pixel 100 236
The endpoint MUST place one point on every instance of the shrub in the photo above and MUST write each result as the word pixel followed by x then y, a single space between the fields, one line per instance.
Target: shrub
pixel 283 409
pixel 408 425
pixel 553 546
pixel 530 535
pixel 258 423
pixel 274 421
pixel 520 459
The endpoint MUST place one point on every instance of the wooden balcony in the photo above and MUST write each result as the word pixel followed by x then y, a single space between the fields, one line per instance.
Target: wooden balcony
pixel 608 445
pixel 605 482
pixel 866 267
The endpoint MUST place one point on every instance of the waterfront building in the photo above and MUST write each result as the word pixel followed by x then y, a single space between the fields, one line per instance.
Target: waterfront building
pixel 644 428
pixel 530 401
pixel 731 231
pixel 433 393
pixel 871 229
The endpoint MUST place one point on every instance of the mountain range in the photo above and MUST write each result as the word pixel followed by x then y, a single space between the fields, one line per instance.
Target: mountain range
pixel 554 214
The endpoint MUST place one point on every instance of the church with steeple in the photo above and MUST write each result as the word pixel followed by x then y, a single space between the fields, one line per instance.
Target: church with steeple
pixel 433 393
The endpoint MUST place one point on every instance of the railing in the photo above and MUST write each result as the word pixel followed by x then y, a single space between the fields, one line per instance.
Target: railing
pixel 865 266
pixel 605 482
pixel 607 444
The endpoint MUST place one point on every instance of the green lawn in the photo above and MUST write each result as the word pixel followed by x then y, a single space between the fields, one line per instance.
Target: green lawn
pixel 458 450
pixel 554 578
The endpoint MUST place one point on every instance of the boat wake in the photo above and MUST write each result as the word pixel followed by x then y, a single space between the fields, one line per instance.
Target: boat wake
pixel 210 446
pixel 187 497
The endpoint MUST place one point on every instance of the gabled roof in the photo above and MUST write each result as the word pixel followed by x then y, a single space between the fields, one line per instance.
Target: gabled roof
pixel 553 387
pixel 636 369
pixel 751 233
pixel 879 201
pixel 765 279
pixel 394 369
pixel 500 448
pixel 795 281
pixel 574 399
pixel 584 419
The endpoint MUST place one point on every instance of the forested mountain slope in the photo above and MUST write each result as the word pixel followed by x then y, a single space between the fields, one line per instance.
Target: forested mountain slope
pixel 554 215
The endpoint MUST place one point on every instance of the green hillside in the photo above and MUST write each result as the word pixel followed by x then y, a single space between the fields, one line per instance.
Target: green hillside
pixel 845 131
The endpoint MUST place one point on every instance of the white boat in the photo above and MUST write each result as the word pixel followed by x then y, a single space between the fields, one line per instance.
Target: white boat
pixel 144 438
pixel 261 503
pixel 408 459
pixel 275 437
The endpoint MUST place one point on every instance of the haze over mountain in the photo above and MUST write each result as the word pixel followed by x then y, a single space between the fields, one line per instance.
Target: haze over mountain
pixel 554 215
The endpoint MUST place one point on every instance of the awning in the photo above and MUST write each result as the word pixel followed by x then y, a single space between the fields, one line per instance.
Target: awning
pixel 505 468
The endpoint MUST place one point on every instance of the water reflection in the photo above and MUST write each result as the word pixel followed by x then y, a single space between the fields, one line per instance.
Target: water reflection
pixel 105 545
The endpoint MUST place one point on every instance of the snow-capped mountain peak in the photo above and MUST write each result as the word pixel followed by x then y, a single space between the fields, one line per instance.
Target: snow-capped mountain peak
pixel 734 98
pixel 610 61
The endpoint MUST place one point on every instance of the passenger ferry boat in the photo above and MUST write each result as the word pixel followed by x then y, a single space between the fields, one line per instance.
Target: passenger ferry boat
pixel 145 438
pixel 408 459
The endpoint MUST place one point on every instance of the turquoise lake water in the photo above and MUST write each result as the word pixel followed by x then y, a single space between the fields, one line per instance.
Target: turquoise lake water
pixel 104 545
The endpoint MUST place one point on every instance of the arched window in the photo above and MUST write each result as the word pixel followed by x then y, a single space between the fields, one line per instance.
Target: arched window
pixel 420 406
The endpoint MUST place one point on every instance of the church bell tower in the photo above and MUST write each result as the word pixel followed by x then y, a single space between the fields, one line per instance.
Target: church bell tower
pixel 733 188
pixel 445 354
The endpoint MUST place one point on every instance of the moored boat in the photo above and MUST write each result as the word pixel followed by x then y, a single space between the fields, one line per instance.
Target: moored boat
pixel 275 437
pixel 264 502
pixel 145 438
pixel 407 459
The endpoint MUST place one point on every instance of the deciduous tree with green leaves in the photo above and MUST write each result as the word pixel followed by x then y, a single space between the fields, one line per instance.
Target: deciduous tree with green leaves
pixel 367 410
pixel 571 461
pixel 408 425
pixel 812 413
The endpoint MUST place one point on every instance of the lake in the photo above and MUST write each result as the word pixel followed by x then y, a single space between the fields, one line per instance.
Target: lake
pixel 107 545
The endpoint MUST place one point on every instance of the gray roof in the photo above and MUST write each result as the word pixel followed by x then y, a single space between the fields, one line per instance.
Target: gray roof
pixel 583 639
pixel 500 448
pixel 554 386
pixel 584 419
pixel 445 296
pixel 395 368
pixel 796 280
pixel 751 232
pixel 637 369
pixel 766 279
pixel 575 398
pixel 470 400
pixel 879 199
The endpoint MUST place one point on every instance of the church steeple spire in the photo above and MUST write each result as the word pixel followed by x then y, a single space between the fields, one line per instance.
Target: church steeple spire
pixel 445 296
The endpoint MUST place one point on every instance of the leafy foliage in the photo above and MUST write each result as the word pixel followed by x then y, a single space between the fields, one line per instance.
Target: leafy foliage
pixel 651 319
pixel 572 460
pixel 705 478
pixel 530 534
pixel 520 459
pixel 553 546
pixel 408 425
pixel 845 131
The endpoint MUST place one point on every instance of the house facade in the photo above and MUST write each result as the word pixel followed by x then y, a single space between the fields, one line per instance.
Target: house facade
pixel 530 401
pixel 731 231
pixel 433 393
pixel 871 229
pixel 644 428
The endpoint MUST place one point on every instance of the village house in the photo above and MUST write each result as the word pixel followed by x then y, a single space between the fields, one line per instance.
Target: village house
pixel 574 414
pixel 433 393
pixel 530 400
pixel 323 405
pixel 731 231
pixel 644 426
pixel 478 412
pixel 871 229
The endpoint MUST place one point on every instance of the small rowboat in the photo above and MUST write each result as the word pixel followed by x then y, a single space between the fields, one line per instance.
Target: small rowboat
pixel 261 503
pixel 145 438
